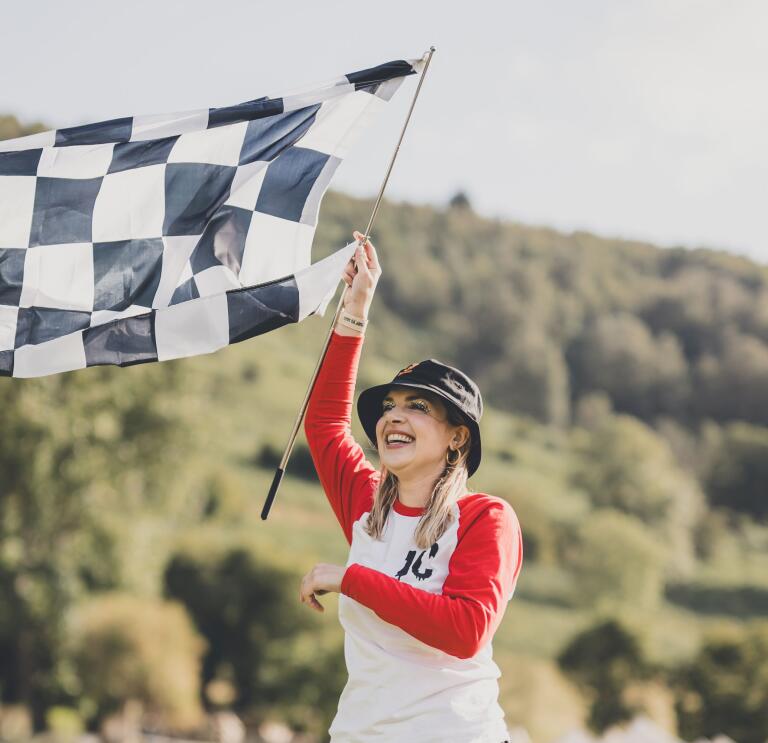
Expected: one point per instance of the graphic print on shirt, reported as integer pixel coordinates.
(416, 566)
(397, 554)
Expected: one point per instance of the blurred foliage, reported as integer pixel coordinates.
(460, 200)
(711, 534)
(247, 610)
(11, 127)
(605, 660)
(546, 318)
(642, 373)
(534, 690)
(300, 464)
(617, 561)
(626, 422)
(75, 449)
(738, 476)
(145, 650)
(541, 536)
(64, 722)
(736, 601)
(724, 689)
(623, 464)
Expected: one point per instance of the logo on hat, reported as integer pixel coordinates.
(407, 369)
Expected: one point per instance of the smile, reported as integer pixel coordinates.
(397, 440)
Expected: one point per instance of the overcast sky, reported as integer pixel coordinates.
(635, 119)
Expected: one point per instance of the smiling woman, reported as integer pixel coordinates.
(435, 436)
(431, 565)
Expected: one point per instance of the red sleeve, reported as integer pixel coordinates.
(482, 575)
(348, 478)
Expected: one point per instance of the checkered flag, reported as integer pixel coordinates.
(156, 237)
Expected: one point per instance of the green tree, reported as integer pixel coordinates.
(724, 689)
(738, 475)
(623, 464)
(697, 300)
(541, 535)
(124, 648)
(460, 200)
(259, 637)
(616, 562)
(604, 660)
(731, 381)
(531, 378)
(644, 375)
(79, 453)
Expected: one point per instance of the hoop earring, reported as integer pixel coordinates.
(449, 461)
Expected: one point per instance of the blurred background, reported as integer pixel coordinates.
(577, 220)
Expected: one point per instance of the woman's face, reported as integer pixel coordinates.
(425, 433)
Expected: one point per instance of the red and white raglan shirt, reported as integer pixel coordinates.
(418, 623)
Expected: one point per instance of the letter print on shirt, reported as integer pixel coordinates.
(416, 566)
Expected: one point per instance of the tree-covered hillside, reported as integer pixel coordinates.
(626, 422)
(543, 319)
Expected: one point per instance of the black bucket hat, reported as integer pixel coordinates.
(454, 387)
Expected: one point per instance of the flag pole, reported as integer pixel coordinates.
(280, 471)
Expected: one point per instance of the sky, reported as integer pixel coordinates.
(642, 120)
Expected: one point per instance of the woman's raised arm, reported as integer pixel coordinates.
(348, 478)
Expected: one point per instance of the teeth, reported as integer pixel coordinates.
(399, 437)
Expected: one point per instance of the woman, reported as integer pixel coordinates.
(431, 566)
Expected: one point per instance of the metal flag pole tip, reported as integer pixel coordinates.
(280, 471)
(427, 58)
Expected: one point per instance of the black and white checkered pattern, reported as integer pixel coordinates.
(155, 237)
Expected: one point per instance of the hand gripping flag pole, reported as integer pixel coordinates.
(297, 423)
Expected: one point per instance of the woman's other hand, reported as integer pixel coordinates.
(361, 274)
(321, 579)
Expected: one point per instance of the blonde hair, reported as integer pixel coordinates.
(447, 489)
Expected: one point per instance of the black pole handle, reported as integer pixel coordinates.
(272, 493)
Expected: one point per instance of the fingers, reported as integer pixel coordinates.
(307, 594)
(371, 257)
(361, 262)
(365, 256)
(349, 272)
(311, 601)
(365, 261)
(361, 242)
(358, 236)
